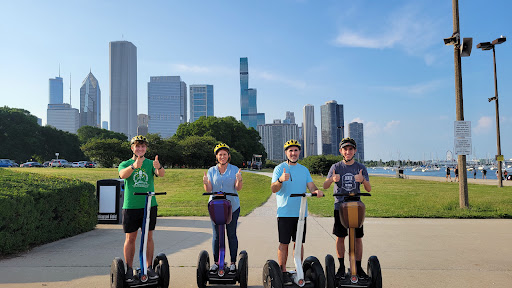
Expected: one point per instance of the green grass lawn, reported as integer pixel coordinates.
(391, 197)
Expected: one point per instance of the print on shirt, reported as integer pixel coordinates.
(140, 179)
(348, 182)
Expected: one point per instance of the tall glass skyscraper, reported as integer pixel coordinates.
(56, 91)
(309, 131)
(273, 137)
(167, 104)
(332, 125)
(90, 102)
(201, 101)
(123, 88)
(250, 116)
(355, 131)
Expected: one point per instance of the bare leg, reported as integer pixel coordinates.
(282, 256)
(340, 247)
(301, 252)
(359, 249)
(129, 248)
(150, 249)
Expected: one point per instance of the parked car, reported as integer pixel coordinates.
(60, 163)
(6, 163)
(74, 164)
(90, 164)
(31, 164)
(81, 164)
(46, 164)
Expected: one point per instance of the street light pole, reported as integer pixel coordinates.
(488, 46)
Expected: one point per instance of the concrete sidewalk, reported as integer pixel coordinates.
(412, 252)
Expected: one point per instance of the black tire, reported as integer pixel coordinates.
(161, 266)
(243, 269)
(117, 273)
(272, 275)
(314, 271)
(374, 272)
(330, 269)
(203, 265)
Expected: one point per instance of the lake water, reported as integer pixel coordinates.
(439, 173)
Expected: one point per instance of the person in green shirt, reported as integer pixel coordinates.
(138, 174)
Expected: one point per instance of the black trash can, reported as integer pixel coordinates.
(110, 194)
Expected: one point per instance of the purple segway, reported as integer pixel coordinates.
(220, 213)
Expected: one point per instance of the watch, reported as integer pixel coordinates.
(279, 181)
(133, 167)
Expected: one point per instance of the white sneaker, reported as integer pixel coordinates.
(232, 268)
(214, 267)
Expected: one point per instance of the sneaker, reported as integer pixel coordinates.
(287, 280)
(362, 275)
(341, 273)
(152, 274)
(214, 267)
(232, 268)
(128, 277)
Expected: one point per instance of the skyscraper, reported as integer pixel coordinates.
(123, 88)
(167, 104)
(63, 117)
(56, 91)
(142, 124)
(290, 118)
(104, 125)
(355, 131)
(90, 102)
(309, 131)
(201, 101)
(250, 116)
(273, 137)
(332, 125)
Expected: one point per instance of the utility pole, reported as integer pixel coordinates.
(463, 176)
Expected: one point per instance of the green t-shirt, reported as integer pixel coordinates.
(141, 180)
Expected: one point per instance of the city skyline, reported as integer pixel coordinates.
(386, 62)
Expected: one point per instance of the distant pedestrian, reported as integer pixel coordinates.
(448, 175)
(474, 173)
(505, 173)
(456, 174)
(484, 174)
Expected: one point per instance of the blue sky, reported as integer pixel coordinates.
(385, 61)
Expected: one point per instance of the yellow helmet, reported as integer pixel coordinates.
(291, 142)
(220, 146)
(139, 138)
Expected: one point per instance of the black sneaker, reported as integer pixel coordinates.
(362, 275)
(152, 274)
(287, 280)
(341, 273)
(128, 277)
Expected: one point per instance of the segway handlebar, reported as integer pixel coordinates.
(220, 193)
(352, 194)
(304, 195)
(152, 193)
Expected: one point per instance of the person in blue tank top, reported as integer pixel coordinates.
(288, 178)
(226, 178)
(348, 175)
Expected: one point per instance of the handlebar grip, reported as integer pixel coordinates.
(147, 193)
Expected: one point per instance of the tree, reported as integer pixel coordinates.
(198, 151)
(86, 133)
(107, 152)
(169, 151)
(228, 130)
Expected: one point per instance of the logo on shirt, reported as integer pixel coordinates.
(140, 179)
(348, 182)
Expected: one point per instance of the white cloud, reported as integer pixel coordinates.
(359, 120)
(391, 125)
(484, 125)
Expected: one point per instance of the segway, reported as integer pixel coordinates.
(352, 214)
(160, 264)
(220, 213)
(310, 274)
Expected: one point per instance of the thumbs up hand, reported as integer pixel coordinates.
(285, 176)
(359, 177)
(239, 175)
(335, 177)
(205, 179)
(156, 163)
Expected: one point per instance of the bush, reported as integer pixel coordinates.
(320, 164)
(36, 209)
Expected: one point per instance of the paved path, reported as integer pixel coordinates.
(413, 252)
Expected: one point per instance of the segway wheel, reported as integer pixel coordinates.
(374, 272)
(330, 275)
(243, 269)
(272, 275)
(203, 265)
(161, 266)
(314, 271)
(117, 273)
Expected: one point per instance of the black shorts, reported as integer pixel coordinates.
(132, 219)
(339, 230)
(287, 228)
